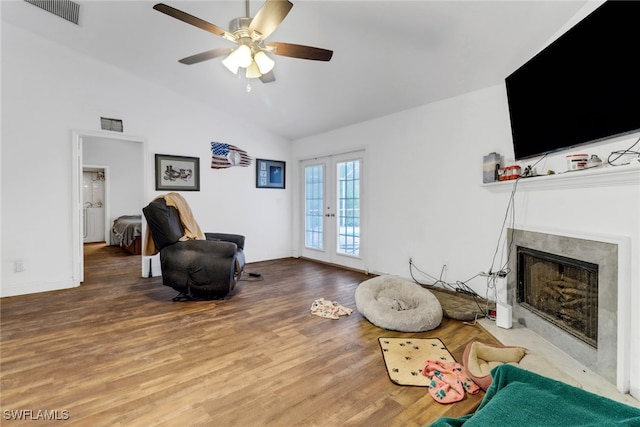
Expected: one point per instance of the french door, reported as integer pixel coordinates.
(333, 215)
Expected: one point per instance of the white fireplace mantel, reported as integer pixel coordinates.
(603, 177)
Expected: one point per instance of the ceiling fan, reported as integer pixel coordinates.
(249, 34)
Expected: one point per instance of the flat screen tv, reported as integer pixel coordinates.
(584, 87)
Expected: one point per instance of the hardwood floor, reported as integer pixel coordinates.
(117, 351)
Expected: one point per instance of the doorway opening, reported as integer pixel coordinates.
(113, 167)
(94, 202)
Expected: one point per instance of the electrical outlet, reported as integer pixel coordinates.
(19, 266)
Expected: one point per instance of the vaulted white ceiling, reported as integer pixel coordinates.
(389, 56)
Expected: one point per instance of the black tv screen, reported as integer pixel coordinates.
(584, 87)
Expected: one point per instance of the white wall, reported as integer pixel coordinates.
(425, 168)
(47, 92)
(425, 194)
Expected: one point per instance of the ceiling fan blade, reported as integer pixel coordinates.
(205, 56)
(299, 51)
(270, 15)
(193, 20)
(268, 77)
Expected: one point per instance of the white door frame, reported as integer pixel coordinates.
(77, 137)
(330, 254)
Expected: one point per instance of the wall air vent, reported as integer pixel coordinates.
(65, 9)
(111, 124)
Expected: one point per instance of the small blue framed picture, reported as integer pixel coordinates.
(270, 173)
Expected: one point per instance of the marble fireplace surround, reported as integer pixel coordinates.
(611, 253)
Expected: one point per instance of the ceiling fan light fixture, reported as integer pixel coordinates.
(249, 35)
(243, 55)
(231, 63)
(253, 72)
(265, 64)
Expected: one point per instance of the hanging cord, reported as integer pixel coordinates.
(459, 286)
(610, 161)
(503, 270)
(509, 217)
(621, 153)
(435, 279)
(475, 320)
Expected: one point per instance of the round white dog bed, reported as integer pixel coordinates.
(396, 304)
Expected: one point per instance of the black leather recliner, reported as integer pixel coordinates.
(198, 269)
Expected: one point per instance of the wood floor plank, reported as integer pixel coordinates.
(118, 351)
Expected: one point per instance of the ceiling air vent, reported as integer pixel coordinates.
(111, 124)
(65, 9)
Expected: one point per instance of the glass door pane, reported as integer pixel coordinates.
(314, 207)
(348, 174)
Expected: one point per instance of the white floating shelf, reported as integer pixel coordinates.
(606, 176)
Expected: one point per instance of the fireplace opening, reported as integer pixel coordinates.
(561, 290)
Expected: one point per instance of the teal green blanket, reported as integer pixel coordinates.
(517, 397)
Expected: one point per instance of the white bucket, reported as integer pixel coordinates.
(577, 161)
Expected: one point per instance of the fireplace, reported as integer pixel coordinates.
(573, 301)
(562, 290)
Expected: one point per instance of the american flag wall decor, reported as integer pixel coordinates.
(225, 156)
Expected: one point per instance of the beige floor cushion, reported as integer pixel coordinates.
(392, 303)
